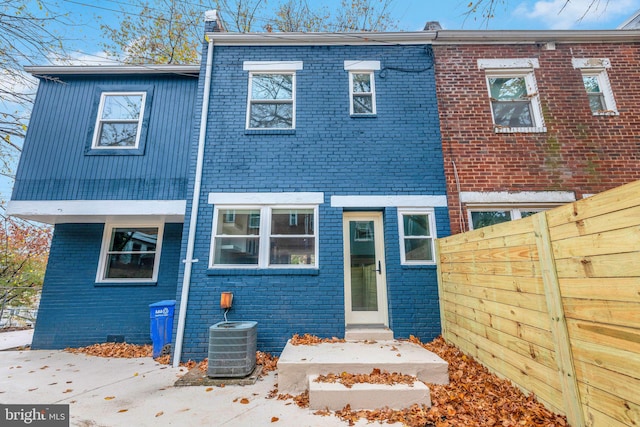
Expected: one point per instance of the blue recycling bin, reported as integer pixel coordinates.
(161, 313)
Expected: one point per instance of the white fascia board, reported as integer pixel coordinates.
(192, 70)
(320, 39)
(388, 201)
(499, 63)
(272, 65)
(96, 211)
(361, 65)
(522, 197)
(591, 62)
(535, 36)
(301, 198)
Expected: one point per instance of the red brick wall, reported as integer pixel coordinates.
(579, 152)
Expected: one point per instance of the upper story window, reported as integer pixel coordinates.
(597, 85)
(513, 93)
(362, 87)
(271, 101)
(119, 122)
(130, 253)
(417, 236)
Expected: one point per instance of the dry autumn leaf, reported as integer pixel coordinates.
(109, 398)
(122, 410)
(68, 390)
(209, 389)
(244, 401)
(275, 419)
(159, 414)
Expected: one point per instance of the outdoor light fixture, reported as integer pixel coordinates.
(226, 298)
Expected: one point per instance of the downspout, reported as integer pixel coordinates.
(188, 262)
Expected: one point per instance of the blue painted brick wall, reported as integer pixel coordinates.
(398, 152)
(74, 311)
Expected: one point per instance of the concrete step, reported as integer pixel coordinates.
(298, 362)
(335, 396)
(358, 333)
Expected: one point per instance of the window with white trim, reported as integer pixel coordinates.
(484, 217)
(596, 83)
(417, 235)
(362, 87)
(119, 121)
(513, 94)
(271, 100)
(265, 237)
(130, 253)
(363, 93)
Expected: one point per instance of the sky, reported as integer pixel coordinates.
(82, 34)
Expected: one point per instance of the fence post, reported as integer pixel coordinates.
(562, 345)
(443, 323)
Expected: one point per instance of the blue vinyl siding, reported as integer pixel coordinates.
(54, 165)
(75, 312)
(397, 152)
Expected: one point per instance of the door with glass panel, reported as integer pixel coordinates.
(364, 269)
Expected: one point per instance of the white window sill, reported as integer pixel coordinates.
(500, 129)
(607, 113)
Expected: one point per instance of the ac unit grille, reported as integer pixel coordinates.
(232, 349)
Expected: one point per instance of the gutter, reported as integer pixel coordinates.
(195, 206)
(57, 70)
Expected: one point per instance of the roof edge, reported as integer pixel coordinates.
(113, 69)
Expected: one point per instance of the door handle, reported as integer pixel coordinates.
(379, 270)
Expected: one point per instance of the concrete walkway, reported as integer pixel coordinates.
(140, 392)
(15, 339)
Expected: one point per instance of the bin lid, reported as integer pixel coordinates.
(164, 303)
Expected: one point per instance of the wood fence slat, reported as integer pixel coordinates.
(612, 265)
(512, 253)
(605, 409)
(610, 381)
(518, 299)
(620, 361)
(610, 221)
(520, 268)
(608, 242)
(613, 200)
(455, 243)
(619, 337)
(612, 289)
(604, 312)
(530, 285)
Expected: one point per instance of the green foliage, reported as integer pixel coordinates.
(24, 250)
(170, 31)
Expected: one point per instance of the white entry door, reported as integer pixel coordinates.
(365, 286)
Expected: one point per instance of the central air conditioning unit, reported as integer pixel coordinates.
(232, 349)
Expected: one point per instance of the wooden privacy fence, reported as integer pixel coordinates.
(552, 302)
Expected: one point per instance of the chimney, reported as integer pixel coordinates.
(213, 22)
(432, 26)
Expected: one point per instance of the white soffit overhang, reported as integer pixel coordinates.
(406, 201)
(97, 211)
(519, 197)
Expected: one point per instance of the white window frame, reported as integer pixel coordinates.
(515, 212)
(105, 250)
(516, 67)
(97, 131)
(362, 67)
(272, 67)
(353, 94)
(264, 238)
(430, 213)
(597, 67)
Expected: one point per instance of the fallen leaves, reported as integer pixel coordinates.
(109, 398)
(111, 349)
(159, 414)
(308, 339)
(375, 377)
(244, 401)
(275, 419)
